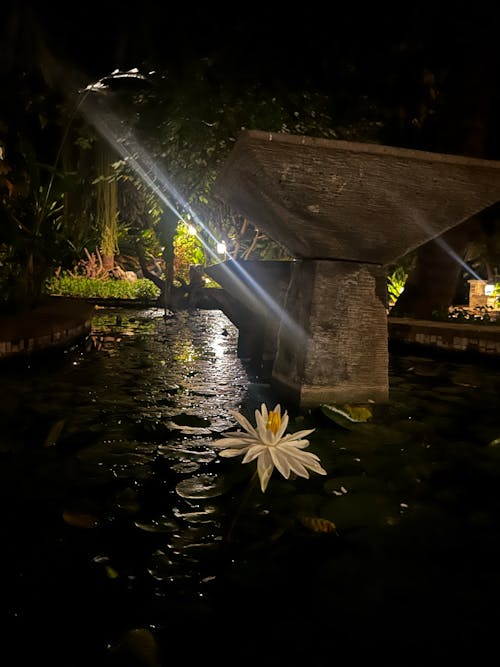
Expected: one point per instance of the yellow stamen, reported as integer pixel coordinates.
(273, 422)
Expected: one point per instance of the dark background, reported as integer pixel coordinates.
(318, 43)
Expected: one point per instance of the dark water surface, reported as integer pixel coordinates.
(126, 539)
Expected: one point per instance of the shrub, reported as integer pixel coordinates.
(88, 288)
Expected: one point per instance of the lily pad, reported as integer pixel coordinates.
(158, 524)
(201, 487)
(184, 419)
(186, 454)
(185, 468)
(208, 514)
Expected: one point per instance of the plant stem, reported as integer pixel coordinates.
(244, 499)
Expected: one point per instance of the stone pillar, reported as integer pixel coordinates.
(257, 292)
(477, 296)
(333, 345)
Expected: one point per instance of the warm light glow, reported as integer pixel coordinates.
(138, 159)
(489, 289)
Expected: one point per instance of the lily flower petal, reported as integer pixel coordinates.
(253, 453)
(281, 461)
(229, 453)
(298, 435)
(308, 461)
(244, 422)
(268, 443)
(265, 468)
(233, 442)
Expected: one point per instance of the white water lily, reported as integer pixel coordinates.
(268, 444)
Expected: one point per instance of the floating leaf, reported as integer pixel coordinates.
(346, 415)
(160, 524)
(201, 487)
(194, 421)
(208, 514)
(359, 413)
(494, 443)
(80, 520)
(317, 524)
(186, 454)
(111, 572)
(54, 433)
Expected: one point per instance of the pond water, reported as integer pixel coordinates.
(127, 540)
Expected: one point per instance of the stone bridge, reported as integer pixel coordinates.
(343, 211)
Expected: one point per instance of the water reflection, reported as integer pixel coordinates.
(117, 510)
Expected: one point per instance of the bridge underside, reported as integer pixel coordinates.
(344, 210)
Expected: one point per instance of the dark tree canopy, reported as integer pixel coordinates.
(425, 75)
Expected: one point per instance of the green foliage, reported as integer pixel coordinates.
(37, 230)
(396, 283)
(30, 218)
(496, 293)
(186, 126)
(189, 127)
(86, 288)
(10, 276)
(107, 204)
(187, 251)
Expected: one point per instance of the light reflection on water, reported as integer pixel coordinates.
(412, 567)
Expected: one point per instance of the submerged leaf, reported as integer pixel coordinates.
(54, 433)
(80, 520)
(137, 647)
(317, 524)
